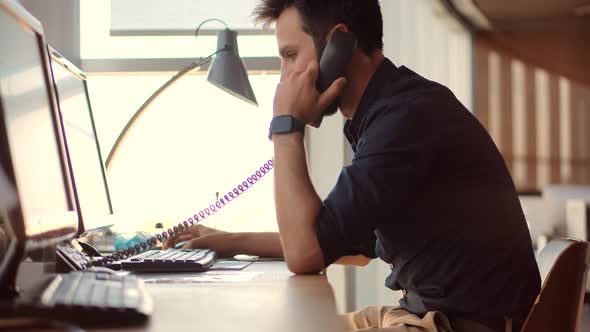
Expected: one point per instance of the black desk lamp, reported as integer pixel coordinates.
(227, 72)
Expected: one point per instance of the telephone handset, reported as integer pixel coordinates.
(335, 57)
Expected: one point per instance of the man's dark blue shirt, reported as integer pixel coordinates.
(429, 193)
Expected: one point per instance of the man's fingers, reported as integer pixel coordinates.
(330, 95)
(169, 242)
(185, 237)
(174, 240)
(311, 72)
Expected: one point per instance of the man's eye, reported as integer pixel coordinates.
(291, 55)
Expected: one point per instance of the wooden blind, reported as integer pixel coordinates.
(540, 120)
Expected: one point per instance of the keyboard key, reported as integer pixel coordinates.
(130, 278)
(67, 289)
(115, 296)
(97, 295)
(131, 298)
(147, 254)
(82, 296)
(103, 276)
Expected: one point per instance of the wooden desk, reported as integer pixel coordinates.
(275, 301)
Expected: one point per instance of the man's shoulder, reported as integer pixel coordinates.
(415, 106)
(409, 91)
(419, 114)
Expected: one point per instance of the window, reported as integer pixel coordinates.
(96, 41)
(194, 141)
(538, 117)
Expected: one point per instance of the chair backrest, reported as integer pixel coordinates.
(563, 265)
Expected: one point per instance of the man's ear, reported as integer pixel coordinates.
(339, 26)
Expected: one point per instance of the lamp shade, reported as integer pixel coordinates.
(227, 71)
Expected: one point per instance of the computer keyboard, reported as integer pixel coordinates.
(89, 297)
(171, 260)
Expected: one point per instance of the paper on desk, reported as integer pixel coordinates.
(210, 276)
(227, 265)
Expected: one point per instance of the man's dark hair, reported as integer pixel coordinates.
(363, 17)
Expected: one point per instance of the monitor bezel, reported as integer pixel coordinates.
(61, 60)
(15, 216)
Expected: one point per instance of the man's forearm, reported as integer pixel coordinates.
(269, 245)
(297, 205)
(259, 244)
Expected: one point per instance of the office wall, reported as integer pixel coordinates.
(61, 22)
(533, 96)
(423, 36)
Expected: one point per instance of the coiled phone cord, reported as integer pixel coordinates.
(195, 219)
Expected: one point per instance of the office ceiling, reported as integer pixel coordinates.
(530, 9)
(531, 15)
(551, 34)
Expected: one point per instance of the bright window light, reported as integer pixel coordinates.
(193, 141)
(97, 43)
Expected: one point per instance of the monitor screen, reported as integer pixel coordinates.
(32, 145)
(80, 134)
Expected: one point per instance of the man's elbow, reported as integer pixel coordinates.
(305, 265)
(302, 269)
(363, 260)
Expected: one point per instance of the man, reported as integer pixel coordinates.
(427, 190)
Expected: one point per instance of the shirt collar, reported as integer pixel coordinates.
(382, 76)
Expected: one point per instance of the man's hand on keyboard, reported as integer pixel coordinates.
(196, 232)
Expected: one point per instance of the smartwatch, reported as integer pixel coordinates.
(284, 124)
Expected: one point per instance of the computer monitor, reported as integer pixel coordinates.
(93, 199)
(32, 157)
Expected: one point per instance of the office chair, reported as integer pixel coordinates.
(563, 264)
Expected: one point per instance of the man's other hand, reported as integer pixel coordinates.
(192, 233)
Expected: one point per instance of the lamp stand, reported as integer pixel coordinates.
(148, 102)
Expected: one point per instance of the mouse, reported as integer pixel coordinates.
(180, 244)
(246, 258)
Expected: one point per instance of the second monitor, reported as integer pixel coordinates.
(91, 189)
(93, 199)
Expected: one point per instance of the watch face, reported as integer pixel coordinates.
(282, 124)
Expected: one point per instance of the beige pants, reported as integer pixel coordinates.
(394, 319)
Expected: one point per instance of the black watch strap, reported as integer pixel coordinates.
(284, 124)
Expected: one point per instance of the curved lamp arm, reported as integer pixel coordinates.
(147, 103)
